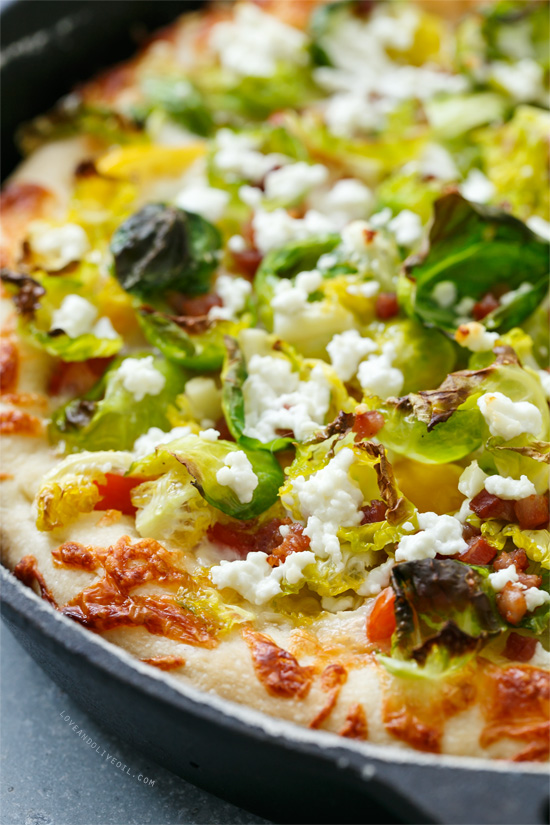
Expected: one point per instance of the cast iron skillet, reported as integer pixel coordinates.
(268, 766)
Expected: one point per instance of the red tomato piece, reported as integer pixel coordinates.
(478, 552)
(367, 424)
(386, 305)
(115, 493)
(520, 648)
(195, 307)
(532, 512)
(381, 619)
(247, 262)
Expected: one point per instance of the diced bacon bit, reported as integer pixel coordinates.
(381, 619)
(165, 662)
(223, 429)
(232, 535)
(196, 307)
(386, 305)
(116, 493)
(485, 505)
(484, 306)
(532, 512)
(28, 573)
(374, 511)
(367, 424)
(516, 557)
(520, 648)
(73, 554)
(479, 552)
(9, 365)
(511, 604)
(355, 726)
(18, 422)
(469, 531)
(76, 377)
(277, 669)
(294, 542)
(515, 704)
(246, 263)
(332, 679)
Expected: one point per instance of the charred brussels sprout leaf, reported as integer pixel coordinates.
(441, 601)
(163, 247)
(194, 343)
(192, 457)
(477, 248)
(109, 417)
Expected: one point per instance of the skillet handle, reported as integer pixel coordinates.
(450, 795)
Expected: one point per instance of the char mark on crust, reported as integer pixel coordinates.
(28, 573)
(355, 726)
(332, 679)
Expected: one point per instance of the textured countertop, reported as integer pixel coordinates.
(51, 776)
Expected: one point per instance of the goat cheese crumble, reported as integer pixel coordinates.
(475, 337)
(255, 579)
(509, 418)
(140, 377)
(238, 475)
(58, 245)
(510, 488)
(154, 437)
(439, 535)
(377, 376)
(346, 350)
(204, 200)
(234, 293)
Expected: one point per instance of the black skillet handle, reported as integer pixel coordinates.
(499, 794)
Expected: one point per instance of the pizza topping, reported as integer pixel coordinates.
(238, 475)
(19, 422)
(277, 670)
(515, 704)
(54, 247)
(73, 554)
(381, 619)
(355, 726)
(27, 572)
(9, 365)
(507, 418)
(332, 679)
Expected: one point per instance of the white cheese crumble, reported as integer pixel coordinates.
(540, 226)
(544, 378)
(204, 399)
(236, 243)
(291, 298)
(378, 377)
(477, 187)
(77, 316)
(238, 158)
(336, 604)
(440, 534)
(436, 162)
(210, 434)
(377, 579)
(366, 289)
(346, 201)
(329, 499)
(444, 294)
(475, 337)
(234, 293)
(255, 579)
(58, 245)
(534, 597)
(540, 658)
(509, 418)
(252, 43)
(154, 437)
(501, 578)
(276, 400)
(140, 377)
(472, 480)
(238, 475)
(510, 296)
(277, 228)
(407, 227)
(347, 350)
(206, 201)
(294, 181)
(510, 489)
(521, 79)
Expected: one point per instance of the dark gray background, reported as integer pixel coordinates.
(50, 776)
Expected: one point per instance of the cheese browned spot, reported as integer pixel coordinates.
(332, 679)
(28, 573)
(277, 669)
(165, 662)
(516, 703)
(18, 422)
(108, 603)
(20, 203)
(355, 726)
(9, 365)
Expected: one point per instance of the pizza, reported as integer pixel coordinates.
(274, 365)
